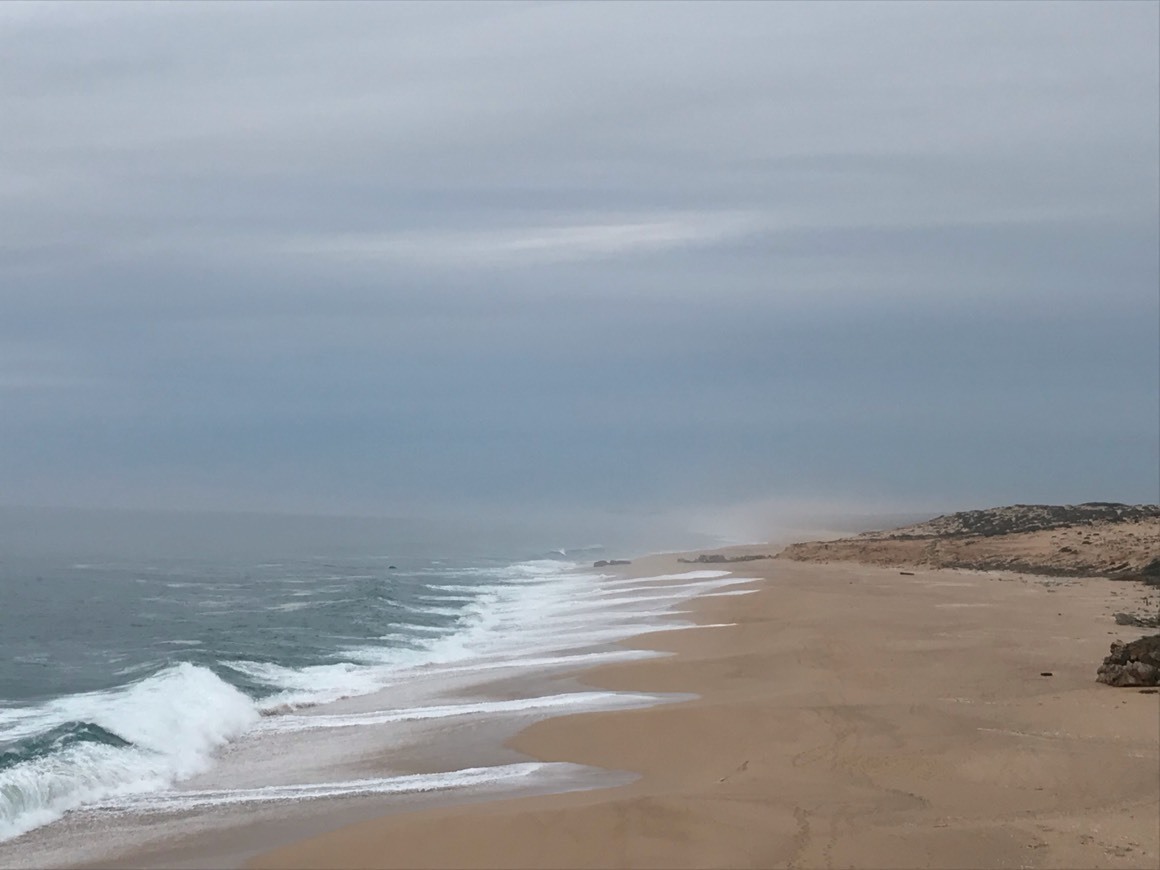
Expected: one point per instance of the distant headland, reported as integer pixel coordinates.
(1095, 539)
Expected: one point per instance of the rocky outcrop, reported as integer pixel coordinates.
(1132, 664)
(1136, 620)
(1121, 542)
(1019, 518)
(604, 563)
(1149, 575)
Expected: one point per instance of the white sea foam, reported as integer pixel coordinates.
(572, 661)
(290, 606)
(172, 722)
(573, 701)
(317, 684)
(452, 587)
(540, 616)
(684, 575)
(179, 801)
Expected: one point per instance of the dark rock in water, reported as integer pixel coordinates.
(1132, 664)
(603, 563)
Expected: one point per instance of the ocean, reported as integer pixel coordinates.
(170, 666)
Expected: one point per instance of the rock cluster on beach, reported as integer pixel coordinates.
(1132, 664)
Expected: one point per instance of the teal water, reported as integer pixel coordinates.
(132, 646)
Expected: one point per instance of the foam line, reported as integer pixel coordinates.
(178, 800)
(581, 700)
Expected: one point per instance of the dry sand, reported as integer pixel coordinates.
(854, 717)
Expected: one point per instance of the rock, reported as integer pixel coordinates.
(604, 563)
(1136, 620)
(1132, 664)
(1150, 576)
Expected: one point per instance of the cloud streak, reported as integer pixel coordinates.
(554, 241)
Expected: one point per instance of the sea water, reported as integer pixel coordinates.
(154, 666)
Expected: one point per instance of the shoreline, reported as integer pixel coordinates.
(456, 757)
(833, 727)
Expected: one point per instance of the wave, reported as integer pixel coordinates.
(139, 738)
(161, 729)
(488, 616)
(288, 687)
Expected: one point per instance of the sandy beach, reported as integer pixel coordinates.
(854, 716)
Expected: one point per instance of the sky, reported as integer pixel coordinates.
(394, 259)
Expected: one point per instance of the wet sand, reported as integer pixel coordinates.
(853, 717)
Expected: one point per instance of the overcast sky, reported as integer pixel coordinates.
(385, 258)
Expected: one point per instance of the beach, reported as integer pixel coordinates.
(578, 435)
(738, 707)
(852, 716)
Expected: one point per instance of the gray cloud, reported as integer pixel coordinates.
(367, 256)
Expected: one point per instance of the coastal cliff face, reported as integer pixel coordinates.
(1093, 539)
